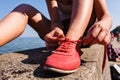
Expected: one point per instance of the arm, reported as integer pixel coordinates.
(56, 35)
(54, 14)
(100, 31)
(102, 12)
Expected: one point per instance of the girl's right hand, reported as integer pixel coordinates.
(53, 38)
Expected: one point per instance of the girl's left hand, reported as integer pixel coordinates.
(98, 33)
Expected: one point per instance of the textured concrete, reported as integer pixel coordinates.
(28, 65)
(115, 44)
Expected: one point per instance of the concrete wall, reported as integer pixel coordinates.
(28, 65)
(95, 54)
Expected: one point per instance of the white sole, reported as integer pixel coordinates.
(59, 70)
(117, 68)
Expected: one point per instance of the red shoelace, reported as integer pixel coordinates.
(67, 45)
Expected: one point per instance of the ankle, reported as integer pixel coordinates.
(78, 41)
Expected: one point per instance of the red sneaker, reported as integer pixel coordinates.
(65, 59)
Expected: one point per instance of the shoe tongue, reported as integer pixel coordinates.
(67, 39)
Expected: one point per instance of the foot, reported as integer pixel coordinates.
(65, 59)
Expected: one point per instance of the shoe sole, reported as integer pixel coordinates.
(59, 70)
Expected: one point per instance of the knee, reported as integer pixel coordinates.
(26, 9)
(23, 8)
(1, 44)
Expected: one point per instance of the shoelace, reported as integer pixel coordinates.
(66, 45)
(68, 42)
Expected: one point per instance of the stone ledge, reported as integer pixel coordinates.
(112, 63)
(28, 65)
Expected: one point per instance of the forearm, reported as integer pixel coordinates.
(102, 12)
(53, 12)
(106, 19)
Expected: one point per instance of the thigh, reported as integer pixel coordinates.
(35, 19)
(40, 24)
(14, 24)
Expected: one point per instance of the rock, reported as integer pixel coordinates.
(28, 65)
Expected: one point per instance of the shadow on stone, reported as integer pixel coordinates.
(35, 56)
(39, 56)
(40, 72)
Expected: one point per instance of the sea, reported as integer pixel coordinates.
(22, 43)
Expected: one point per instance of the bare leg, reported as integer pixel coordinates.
(80, 18)
(15, 23)
(91, 22)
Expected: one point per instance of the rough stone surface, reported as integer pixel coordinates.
(115, 44)
(28, 65)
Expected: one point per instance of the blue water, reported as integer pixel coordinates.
(22, 43)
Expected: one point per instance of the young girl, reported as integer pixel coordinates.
(69, 20)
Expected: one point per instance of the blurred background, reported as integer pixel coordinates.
(29, 34)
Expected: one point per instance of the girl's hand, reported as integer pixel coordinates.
(98, 33)
(53, 38)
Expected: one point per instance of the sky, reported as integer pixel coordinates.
(7, 5)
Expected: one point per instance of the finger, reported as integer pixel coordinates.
(92, 34)
(102, 35)
(94, 41)
(50, 38)
(58, 36)
(100, 39)
(61, 37)
(94, 30)
(87, 40)
(107, 39)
